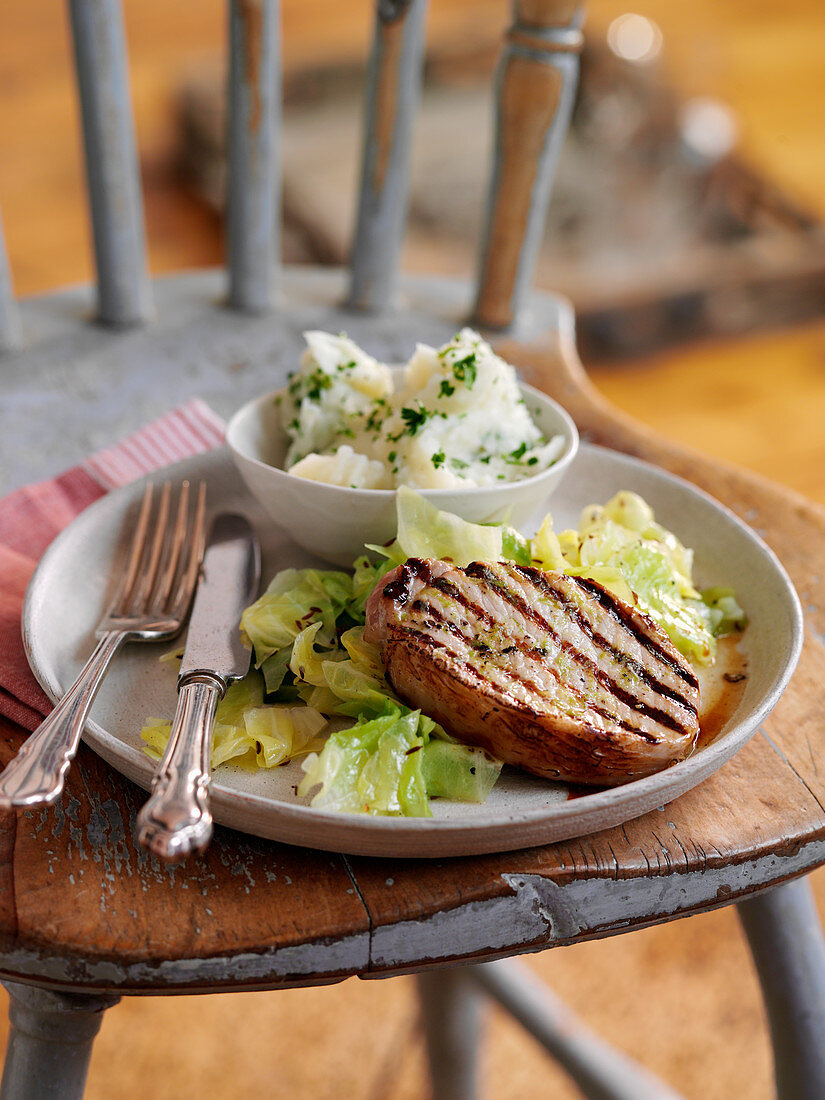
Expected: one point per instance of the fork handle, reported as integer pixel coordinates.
(37, 773)
(176, 820)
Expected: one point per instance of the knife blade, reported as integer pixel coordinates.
(176, 820)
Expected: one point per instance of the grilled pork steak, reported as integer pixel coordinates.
(547, 672)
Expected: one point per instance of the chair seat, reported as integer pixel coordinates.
(85, 908)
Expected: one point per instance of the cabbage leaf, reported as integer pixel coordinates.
(247, 730)
(393, 764)
(622, 547)
(424, 531)
(294, 599)
(369, 768)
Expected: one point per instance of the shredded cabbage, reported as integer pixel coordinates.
(282, 733)
(724, 615)
(306, 662)
(424, 531)
(622, 547)
(248, 731)
(294, 599)
(393, 764)
(365, 577)
(460, 772)
(370, 768)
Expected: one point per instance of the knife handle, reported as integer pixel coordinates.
(176, 820)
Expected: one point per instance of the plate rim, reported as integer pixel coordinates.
(378, 835)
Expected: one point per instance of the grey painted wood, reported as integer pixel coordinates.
(542, 913)
(786, 941)
(124, 295)
(501, 276)
(601, 1072)
(393, 91)
(196, 347)
(253, 193)
(10, 333)
(50, 1042)
(450, 1018)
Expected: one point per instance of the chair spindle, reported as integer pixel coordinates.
(124, 293)
(393, 91)
(253, 221)
(10, 333)
(535, 85)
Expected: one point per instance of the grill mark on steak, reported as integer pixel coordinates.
(610, 604)
(429, 642)
(485, 573)
(400, 590)
(543, 582)
(435, 618)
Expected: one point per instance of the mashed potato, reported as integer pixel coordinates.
(457, 418)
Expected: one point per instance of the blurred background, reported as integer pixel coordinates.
(687, 228)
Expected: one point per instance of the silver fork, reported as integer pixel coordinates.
(150, 605)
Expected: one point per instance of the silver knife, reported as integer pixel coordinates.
(176, 820)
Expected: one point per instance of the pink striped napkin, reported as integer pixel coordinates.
(31, 517)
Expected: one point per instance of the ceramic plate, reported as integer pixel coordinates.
(70, 588)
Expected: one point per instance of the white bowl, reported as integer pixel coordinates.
(334, 521)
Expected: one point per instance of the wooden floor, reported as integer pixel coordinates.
(681, 997)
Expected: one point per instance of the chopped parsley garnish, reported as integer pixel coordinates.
(447, 389)
(514, 457)
(414, 418)
(316, 383)
(374, 420)
(465, 370)
(445, 351)
(438, 459)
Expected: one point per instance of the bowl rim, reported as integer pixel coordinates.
(571, 433)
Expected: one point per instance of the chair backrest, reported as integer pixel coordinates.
(535, 88)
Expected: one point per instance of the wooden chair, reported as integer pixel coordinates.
(85, 915)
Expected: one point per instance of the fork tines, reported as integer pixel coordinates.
(165, 553)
